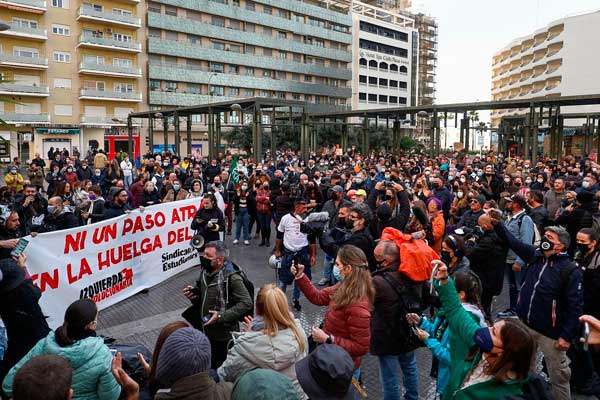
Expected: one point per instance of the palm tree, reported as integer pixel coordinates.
(473, 117)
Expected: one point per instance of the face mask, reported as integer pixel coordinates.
(387, 177)
(585, 184)
(176, 187)
(436, 185)
(84, 166)
(528, 182)
(206, 264)
(583, 248)
(266, 187)
(479, 173)
(336, 274)
(358, 181)
(51, 209)
(244, 187)
(517, 184)
(506, 180)
(98, 173)
(446, 257)
(69, 169)
(349, 224)
(305, 181)
(14, 171)
(388, 197)
(463, 179)
(54, 174)
(513, 164)
(450, 178)
(540, 180)
(460, 195)
(546, 245)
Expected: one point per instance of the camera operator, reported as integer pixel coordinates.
(209, 221)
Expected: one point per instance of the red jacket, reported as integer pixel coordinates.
(350, 326)
(263, 202)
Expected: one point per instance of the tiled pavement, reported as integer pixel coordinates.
(140, 318)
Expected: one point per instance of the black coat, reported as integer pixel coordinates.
(149, 199)
(580, 217)
(201, 219)
(66, 220)
(361, 239)
(487, 256)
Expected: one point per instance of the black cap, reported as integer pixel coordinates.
(326, 373)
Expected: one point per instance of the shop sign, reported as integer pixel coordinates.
(58, 131)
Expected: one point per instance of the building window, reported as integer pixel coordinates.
(281, 74)
(62, 30)
(154, 7)
(362, 78)
(249, 71)
(297, 57)
(403, 85)
(62, 83)
(383, 99)
(234, 91)
(61, 56)
(372, 98)
(218, 21)
(373, 81)
(235, 48)
(393, 99)
(234, 25)
(282, 35)
(383, 66)
(402, 100)
(194, 39)
(393, 84)
(267, 31)
(170, 86)
(284, 14)
(383, 82)
(94, 85)
(63, 109)
(193, 88)
(121, 87)
(282, 55)
(295, 77)
(170, 10)
(266, 73)
(267, 52)
(373, 64)
(363, 62)
(250, 27)
(264, 93)
(393, 68)
(403, 70)
(218, 46)
(250, 5)
(172, 36)
(382, 48)
(249, 92)
(308, 78)
(217, 90)
(267, 10)
(154, 85)
(215, 67)
(93, 59)
(60, 3)
(154, 33)
(250, 49)
(233, 69)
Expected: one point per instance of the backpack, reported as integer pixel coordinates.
(249, 287)
(409, 301)
(415, 255)
(537, 236)
(535, 388)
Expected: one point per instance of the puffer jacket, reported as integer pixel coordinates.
(441, 340)
(350, 325)
(263, 202)
(258, 350)
(91, 363)
(469, 219)
(544, 304)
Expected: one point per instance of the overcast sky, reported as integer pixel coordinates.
(471, 31)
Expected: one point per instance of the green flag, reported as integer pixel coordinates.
(233, 173)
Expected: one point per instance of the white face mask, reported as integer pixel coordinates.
(460, 195)
(506, 180)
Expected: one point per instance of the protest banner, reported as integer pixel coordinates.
(111, 260)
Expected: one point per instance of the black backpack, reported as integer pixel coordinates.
(249, 287)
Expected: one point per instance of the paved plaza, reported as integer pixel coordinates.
(140, 318)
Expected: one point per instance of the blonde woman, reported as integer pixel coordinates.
(348, 318)
(273, 340)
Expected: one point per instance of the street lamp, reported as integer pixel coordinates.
(422, 114)
(4, 27)
(237, 108)
(210, 91)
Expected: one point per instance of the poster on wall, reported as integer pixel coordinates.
(159, 148)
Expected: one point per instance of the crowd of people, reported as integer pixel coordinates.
(532, 223)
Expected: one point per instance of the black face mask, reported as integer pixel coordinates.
(206, 264)
(546, 245)
(446, 257)
(583, 248)
(436, 185)
(333, 195)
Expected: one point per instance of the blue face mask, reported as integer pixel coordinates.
(483, 339)
(336, 274)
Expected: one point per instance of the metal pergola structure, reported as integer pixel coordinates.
(293, 113)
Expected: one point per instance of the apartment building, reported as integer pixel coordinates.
(557, 60)
(385, 58)
(213, 50)
(75, 72)
(428, 41)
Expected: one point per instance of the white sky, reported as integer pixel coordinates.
(471, 31)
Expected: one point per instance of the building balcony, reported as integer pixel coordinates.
(107, 95)
(24, 32)
(194, 27)
(91, 68)
(274, 21)
(16, 118)
(88, 13)
(16, 89)
(106, 120)
(9, 60)
(188, 50)
(35, 6)
(187, 73)
(184, 99)
(108, 43)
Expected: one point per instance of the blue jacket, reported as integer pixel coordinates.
(542, 305)
(440, 348)
(91, 363)
(522, 228)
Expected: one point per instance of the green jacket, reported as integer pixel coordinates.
(237, 298)
(463, 328)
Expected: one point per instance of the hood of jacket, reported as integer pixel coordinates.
(273, 352)
(199, 386)
(79, 353)
(475, 310)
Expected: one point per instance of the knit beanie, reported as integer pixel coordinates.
(185, 353)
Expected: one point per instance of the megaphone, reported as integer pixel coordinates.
(197, 242)
(274, 262)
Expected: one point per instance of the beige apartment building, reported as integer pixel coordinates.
(74, 71)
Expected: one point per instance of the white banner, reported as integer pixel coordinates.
(111, 260)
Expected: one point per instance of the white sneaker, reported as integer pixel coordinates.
(236, 241)
(246, 242)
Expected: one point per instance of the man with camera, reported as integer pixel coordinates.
(220, 299)
(209, 221)
(32, 209)
(298, 248)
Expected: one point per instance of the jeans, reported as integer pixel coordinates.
(285, 277)
(515, 280)
(388, 369)
(127, 180)
(229, 216)
(241, 223)
(328, 268)
(557, 363)
(264, 220)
